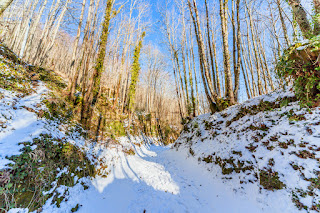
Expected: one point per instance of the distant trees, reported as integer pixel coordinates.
(219, 53)
(250, 35)
(73, 66)
(203, 28)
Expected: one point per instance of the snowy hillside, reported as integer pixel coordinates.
(43, 151)
(267, 149)
(260, 156)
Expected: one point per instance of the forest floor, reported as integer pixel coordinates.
(259, 156)
(152, 178)
(157, 179)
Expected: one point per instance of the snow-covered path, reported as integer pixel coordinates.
(155, 179)
(159, 179)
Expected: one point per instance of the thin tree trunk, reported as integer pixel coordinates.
(211, 96)
(210, 48)
(283, 24)
(4, 5)
(238, 42)
(255, 51)
(74, 72)
(226, 53)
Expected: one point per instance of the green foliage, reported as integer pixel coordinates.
(116, 129)
(102, 51)
(135, 70)
(223, 103)
(14, 78)
(33, 172)
(300, 64)
(52, 80)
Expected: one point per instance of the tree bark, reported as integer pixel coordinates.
(238, 63)
(283, 24)
(4, 5)
(73, 71)
(316, 4)
(204, 70)
(226, 52)
(99, 68)
(301, 17)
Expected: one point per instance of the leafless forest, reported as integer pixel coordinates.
(122, 61)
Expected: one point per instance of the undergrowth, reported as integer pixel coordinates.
(32, 172)
(300, 63)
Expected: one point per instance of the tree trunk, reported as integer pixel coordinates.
(226, 52)
(73, 71)
(4, 4)
(283, 24)
(317, 17)
(238, 64)
(301, 17)
(204, 70)
(96, 77)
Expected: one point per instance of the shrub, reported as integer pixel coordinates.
(301, 64)
(23, 184)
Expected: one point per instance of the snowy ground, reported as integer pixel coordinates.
(154, 179)
(17, 123)
(158, 179)
(135, 175)
(242, 146)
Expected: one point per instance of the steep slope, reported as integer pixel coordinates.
(267, 148)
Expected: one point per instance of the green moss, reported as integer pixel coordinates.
(135, 70)
(14, 78)
(116, 129)
(76, 208)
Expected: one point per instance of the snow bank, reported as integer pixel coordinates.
(265, 148)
